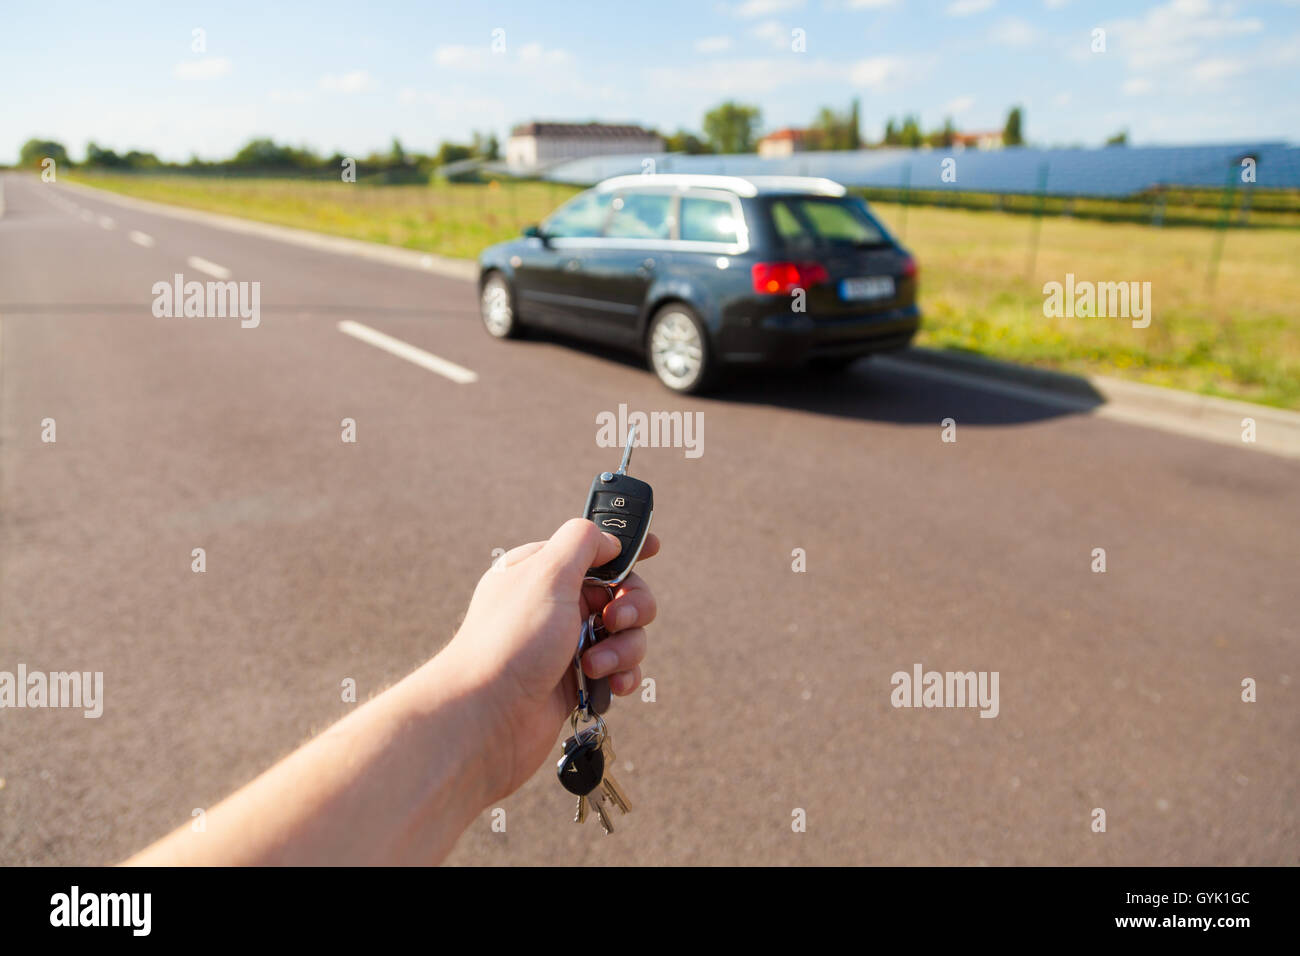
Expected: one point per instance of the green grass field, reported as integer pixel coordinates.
(981, 290)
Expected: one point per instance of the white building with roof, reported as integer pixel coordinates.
(535, 145)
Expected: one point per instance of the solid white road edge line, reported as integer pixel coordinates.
(426, 360)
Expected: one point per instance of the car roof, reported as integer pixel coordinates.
(740, 185)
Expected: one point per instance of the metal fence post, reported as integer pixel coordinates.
(1037, 227)
(906, 189)
(1225, 213)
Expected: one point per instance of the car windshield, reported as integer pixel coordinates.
(582, 216)
(813, 222)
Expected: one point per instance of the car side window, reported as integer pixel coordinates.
(640, 216)
(788, 226)
(840, 222)
(708, 220)
(582, 216)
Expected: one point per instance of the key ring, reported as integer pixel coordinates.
(600, 724)
(608, 590)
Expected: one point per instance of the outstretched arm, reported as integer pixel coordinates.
(401, 778)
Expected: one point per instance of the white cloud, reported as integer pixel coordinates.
(961, 104)
(1213, 71)
(713, 44)
(529, 59)
(457, 107)
(966, 8)
(876, 72)
(204, 68)
(1012, 31)
(1175, 33)
(1061, 100)
(742, 79)
(354, 81)
(536, 54)
(750, 9)
(289, 96)
(461, 57)
(773, 33)
(1137, 86)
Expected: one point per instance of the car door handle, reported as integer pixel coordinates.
(573, 265)
(647, 267)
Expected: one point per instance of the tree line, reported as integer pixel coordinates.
(264, 153)
(733, 127)
(730, 127)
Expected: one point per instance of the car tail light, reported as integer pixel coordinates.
(909, 267)
(776, 278)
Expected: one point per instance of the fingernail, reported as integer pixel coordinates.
(624, 617)
(603, 661)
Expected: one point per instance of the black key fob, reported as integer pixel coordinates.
(623, 506)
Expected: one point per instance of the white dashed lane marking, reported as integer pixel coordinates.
(211, 268)
(141, 239)
(426, 360)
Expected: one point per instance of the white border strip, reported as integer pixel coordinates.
(390, 255)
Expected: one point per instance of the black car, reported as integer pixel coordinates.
(701, 271)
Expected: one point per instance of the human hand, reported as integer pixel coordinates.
(520, 633)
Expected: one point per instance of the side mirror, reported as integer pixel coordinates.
(534, 232)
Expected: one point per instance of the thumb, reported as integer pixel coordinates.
(576, 546)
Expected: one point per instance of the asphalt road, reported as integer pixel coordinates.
(328, 560)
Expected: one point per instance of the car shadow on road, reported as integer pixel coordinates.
(890, 390)
(883, 389)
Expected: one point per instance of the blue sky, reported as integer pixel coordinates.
(349, 76)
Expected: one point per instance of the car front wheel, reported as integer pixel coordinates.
(497, 307)
(679, 349)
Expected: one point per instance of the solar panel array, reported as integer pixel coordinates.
(1111, 172)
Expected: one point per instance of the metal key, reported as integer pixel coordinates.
(583, 807)
(597, 801)
(608, 784)
(615, 793)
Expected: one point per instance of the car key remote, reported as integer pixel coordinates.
(623, 506)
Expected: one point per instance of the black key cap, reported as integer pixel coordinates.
(582, 767)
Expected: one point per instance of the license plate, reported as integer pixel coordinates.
(871, 287)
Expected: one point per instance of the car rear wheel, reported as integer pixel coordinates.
(679, 349)
(497, 307)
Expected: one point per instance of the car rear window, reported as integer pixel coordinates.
(708, 220)
(818, 222)
(640, 216)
